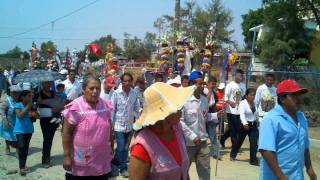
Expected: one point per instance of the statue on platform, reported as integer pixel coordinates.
(163, 63)
(34, 55)
(207, 52)
(180, 54)
(110, 61)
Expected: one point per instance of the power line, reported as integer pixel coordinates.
(48, 38)
(53, 21)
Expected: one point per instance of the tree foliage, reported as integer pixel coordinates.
(15, 53)
(196, 22)
(286, 43)
(252, 19)
(139, 48)
(104, 41)
(44, 49)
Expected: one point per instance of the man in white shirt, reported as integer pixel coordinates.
(234, 92)
(72, 86)
(266, 96)
(195, 115)
(108, 86)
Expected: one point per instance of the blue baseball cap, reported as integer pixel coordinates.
(195, 75)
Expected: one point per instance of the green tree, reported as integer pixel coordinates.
(305, 8)
(196, 22)
(286, 42)
(44, 49)
(251, 19)
(13, 53)
(137, 48)
(104, 41)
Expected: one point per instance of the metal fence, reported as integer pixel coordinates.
(307, 77)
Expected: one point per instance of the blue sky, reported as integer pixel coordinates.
(104, 17)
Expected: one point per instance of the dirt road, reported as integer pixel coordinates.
(236, 170)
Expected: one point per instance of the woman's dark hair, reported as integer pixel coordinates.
(212, 79)
(23, 94)
(185, 77)
(126, 74)
(87, 79)
(281, 97)
(248, 91)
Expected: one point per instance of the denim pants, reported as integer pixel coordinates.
(123, 142)
(48, 131)
(23, 141)
(211, 130)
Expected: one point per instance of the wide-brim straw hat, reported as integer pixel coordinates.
(161, 100)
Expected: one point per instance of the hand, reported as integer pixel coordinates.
(232, 104)
(311, 174)
(67, 163)
(205, 114)
(220, 113)
(246, 127)
(197, 141)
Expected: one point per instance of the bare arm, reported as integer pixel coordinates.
(67, 144)
(138, 169)
(273, 164)
(307, 162)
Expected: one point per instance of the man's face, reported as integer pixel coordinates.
(127, 82)
(239, 77)
(269, 81)
(199, 83)
(185, 83)
(142, 85)
(107, 88)
(292, 102)
(212, 85)
(72, 76)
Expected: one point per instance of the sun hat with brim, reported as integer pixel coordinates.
(221, 86)
(290, 86)
(161, 100)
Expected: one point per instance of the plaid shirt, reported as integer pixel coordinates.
(125, 107)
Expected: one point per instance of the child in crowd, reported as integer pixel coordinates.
(24, 127)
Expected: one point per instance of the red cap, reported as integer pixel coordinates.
(109, 81)
(290, 86)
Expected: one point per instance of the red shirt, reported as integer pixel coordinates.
(139, 151)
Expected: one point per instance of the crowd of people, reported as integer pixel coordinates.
(164, 127)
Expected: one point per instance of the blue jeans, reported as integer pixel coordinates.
(211, 130)
(123, 142)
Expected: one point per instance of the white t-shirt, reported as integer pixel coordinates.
(72, 90)
(234, 92)
(263, 95)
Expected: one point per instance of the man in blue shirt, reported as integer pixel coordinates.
(283, 139)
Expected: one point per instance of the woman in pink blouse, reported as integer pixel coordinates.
(87, 140)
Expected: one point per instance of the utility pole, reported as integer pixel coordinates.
(176, 26)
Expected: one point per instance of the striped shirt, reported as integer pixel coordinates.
(124, 108)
